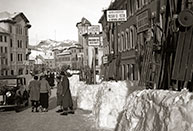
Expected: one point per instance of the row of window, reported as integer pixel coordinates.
(19, 43)
(127, 39)
(5, 72)
(19, 30)
(64, 59)
(128, 72)
(133, 6)
(4, 61)
(3, 49)
(3, 38)
(19, 57)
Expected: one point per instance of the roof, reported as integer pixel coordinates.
(8, 17)
(84, 21)
(65, 52)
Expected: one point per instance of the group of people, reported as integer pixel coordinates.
(40, 91)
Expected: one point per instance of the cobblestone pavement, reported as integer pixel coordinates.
(47, 121)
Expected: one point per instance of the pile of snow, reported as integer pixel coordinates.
(87, 96)
(75, 85)
(158, 110)
(122, 106)
(110, 101)
(105, 100)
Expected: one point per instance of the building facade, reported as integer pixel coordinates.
(16, 25)
(90, 38)
(70, 56)
(126, 40)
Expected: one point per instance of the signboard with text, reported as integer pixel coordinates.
(94, 29)
(93, 41)
(116, 15)
(105, 59)
(143, 21)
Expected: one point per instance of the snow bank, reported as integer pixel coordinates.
(121, 106)
(158, 110)
(105, 100)
(110, 102)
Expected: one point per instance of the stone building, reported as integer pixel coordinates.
(14, 51)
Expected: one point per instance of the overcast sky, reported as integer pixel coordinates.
(55, 19)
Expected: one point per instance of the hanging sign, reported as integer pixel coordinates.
(93, 41)
(116, 15)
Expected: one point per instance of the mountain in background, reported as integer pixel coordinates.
(49, 44)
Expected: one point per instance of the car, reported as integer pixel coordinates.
(13, 92)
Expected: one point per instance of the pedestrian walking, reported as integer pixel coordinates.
(59, 94)
(45, 92)
(67, 103)
(34, 91)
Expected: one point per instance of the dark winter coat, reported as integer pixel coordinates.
(66, 94)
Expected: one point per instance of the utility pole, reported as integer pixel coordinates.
(94, 66)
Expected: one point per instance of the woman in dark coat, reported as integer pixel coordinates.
(67, 102)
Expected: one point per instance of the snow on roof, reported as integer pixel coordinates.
(6, 16)
(64, 52)
(45, 55)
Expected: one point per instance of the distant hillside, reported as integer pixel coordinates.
(49, 44)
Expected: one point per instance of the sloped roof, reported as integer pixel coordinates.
(6, 16)
(84, 21)
(65, 52)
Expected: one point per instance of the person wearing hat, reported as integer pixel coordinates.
(67, 102)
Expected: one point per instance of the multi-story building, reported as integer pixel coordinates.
(82, 40)
(126, 40)
(70, 55)
(15, 54)
(4, 54)
(92, 53)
